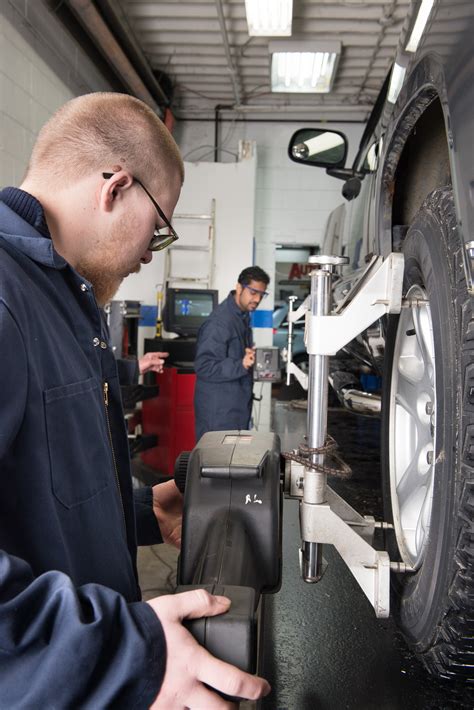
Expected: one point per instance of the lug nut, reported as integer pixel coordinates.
(430, 457)
(429, 408)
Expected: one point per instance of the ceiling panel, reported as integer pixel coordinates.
(205, 50)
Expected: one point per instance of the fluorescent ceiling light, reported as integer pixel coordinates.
(269, 18)
(420, 24)
(304, 67)
(396, 82)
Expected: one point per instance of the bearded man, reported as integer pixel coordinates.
(96, 202)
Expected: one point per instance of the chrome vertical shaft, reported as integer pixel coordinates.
(315, 481)
(291, 302)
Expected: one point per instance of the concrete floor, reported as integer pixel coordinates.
(323, 647)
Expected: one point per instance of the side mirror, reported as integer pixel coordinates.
(313, 146)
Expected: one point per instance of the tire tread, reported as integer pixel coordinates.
(452, 653)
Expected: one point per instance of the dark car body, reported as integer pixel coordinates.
(411, 190)
(414, 145)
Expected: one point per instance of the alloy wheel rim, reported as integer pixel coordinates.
(412, 436)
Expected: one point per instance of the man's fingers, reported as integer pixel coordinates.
(162, 355)
(204, 699)
(198, 603)
(229, 679)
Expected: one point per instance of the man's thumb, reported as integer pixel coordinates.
(198, 603)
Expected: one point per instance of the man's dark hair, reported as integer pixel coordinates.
(253, 273)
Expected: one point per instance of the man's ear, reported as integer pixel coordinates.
(113, 188)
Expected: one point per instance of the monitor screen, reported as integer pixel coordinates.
(187, 309)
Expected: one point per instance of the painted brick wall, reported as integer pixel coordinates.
(29, 92)
(293, 201)
(41, 67)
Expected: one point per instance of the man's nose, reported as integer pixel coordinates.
(147, 257)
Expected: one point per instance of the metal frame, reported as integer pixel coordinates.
(325, 518)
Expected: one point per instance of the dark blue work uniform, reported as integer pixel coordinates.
(223, 395)
(73, 631)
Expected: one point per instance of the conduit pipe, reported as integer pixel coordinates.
(87, 13)
(225, 38)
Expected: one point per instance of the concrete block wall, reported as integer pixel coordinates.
(41, 67)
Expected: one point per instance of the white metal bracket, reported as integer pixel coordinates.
(301, 376)
(325, 518)
(371, 568)
(336, 523)
(378, 292)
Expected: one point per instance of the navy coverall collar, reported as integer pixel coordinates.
(235, 308)
(28, 231)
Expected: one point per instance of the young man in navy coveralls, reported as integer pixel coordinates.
(97, 200)
(225, 357)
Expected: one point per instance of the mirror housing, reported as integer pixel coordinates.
(351, 188)
(318, 147)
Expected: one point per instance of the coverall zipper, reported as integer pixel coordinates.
(106, 403)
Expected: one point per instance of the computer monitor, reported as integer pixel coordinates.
(186, 309)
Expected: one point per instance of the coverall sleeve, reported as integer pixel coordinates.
(60, 645)
(148, 530)
(128, 371)
(212, 362)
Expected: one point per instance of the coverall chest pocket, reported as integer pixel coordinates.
(79, 449)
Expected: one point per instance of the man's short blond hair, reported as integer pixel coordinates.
(99, 131)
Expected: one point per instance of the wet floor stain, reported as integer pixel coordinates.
(324, 649)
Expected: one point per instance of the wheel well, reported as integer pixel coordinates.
(423, 166)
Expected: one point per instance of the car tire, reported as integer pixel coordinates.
(428, 444)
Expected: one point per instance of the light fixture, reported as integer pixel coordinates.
(419, 26)
(396, 82)
(269, 18)
(303, 67)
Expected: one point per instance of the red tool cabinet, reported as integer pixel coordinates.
(170, 416)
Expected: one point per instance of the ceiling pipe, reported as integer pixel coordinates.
(106, 42)
(217, 119)
(116, 19)
(230, 63)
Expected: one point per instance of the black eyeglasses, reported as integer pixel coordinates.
(162, 236)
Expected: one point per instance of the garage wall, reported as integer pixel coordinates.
(41, 68)
(232, 186)
(292, 201)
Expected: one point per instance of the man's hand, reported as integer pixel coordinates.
(249, 358)
(152, 362)
(168, 509)
(189, 666)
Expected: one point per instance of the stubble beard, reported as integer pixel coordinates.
(101, 269)
(105, 285)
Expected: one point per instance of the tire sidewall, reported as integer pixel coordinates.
(420, 597)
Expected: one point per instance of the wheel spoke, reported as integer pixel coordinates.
(423, 523)
(406, 394)
(409, 485)
(424, 337)
(412, 434)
